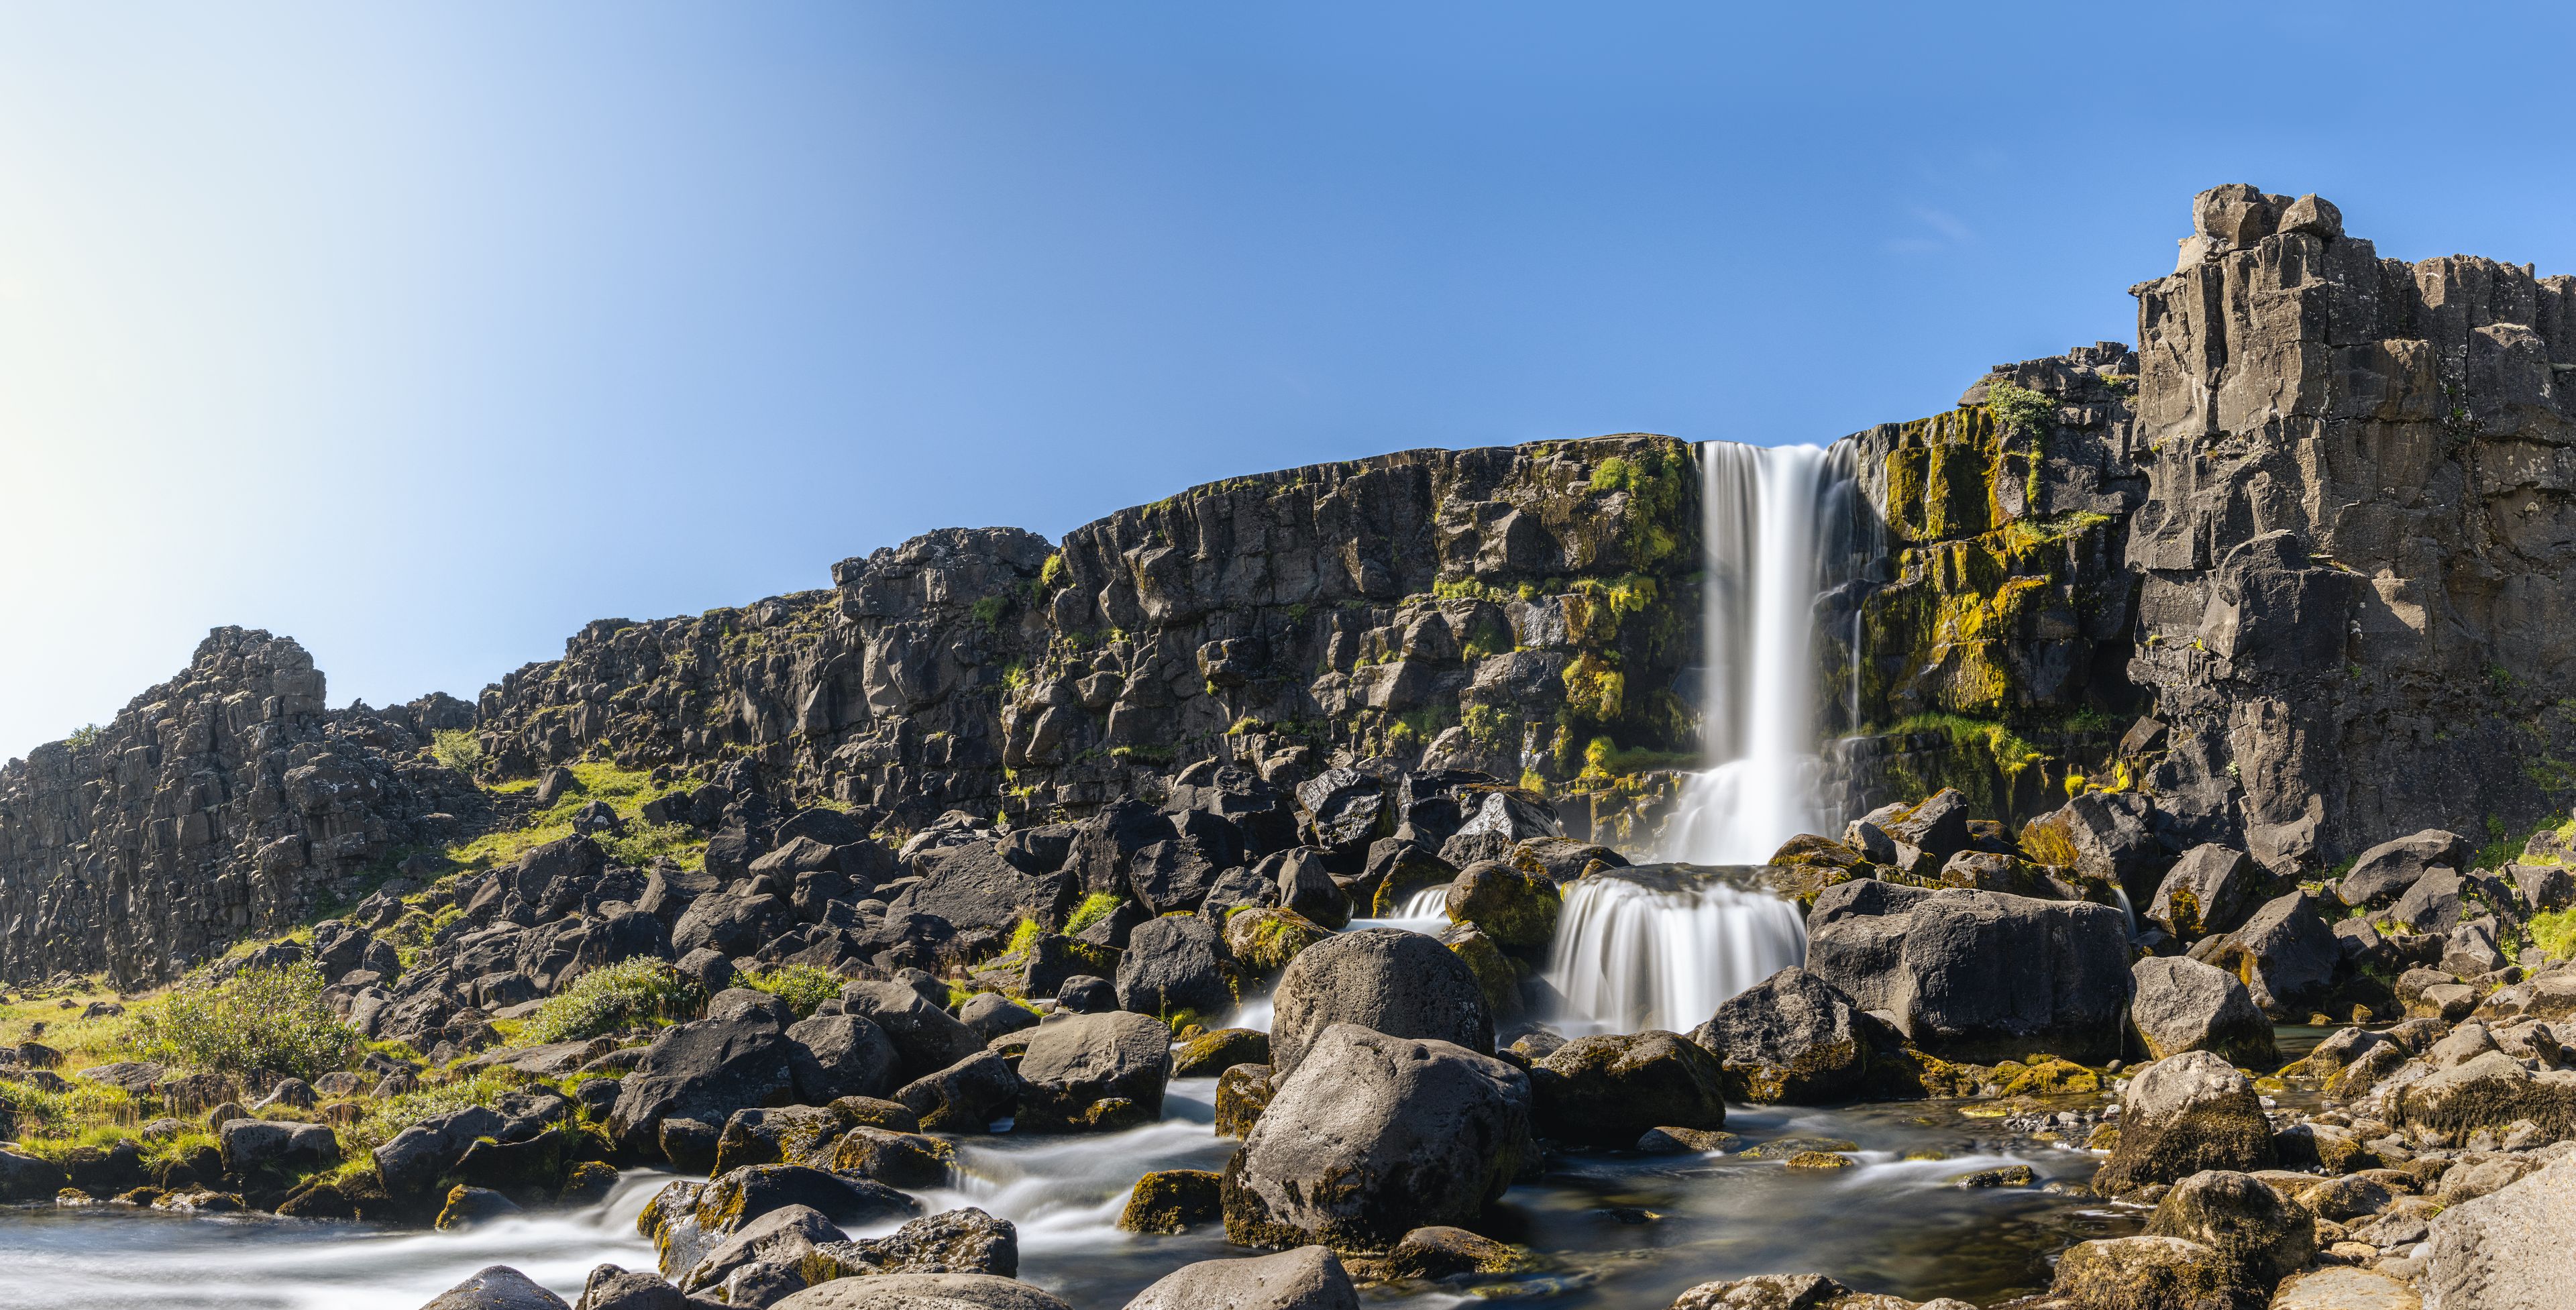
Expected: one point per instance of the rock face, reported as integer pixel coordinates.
(1374, 1136)
(1979, 975)
(220, 805)
(2507, 1250)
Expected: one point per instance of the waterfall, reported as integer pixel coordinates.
(1772, 519)
(1660, 947)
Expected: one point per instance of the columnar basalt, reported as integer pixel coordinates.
(222, 805)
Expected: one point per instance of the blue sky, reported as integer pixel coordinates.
(426, 334)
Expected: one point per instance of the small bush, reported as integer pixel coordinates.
(85, 736)
(621, 995)
(2020, 410)
(802, 986)
(2555, 932)
(457, 748)
(1094, 908)
(272, 1019)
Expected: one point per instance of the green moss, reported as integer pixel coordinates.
(626, 994)
(2020, 410)
(1094, 908)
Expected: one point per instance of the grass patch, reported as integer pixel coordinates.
(803, 986)
(272, 1019)
(1094, 908)
(623, 995)
(625, 790)
(457, 748)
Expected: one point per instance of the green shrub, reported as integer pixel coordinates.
(84, 736)
(1094, 908)
(802, 986)
(2555, 932)
(457, 748)
(621, 995)
(272, 1019)
(2020, 410)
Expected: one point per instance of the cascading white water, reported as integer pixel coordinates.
(1768, 515)
(1637, 951)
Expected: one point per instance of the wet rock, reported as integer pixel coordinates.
(2260, 1236)
(729, 1201)
(922, 1292)
(1375, 1136)
(1094, 1073)
(1515, 908)
(2184, 1005)
(792, 1134)
(1441, 1252)
(1210, 1054)
(1307, 1278)
(1671, 1139)
(468, 1206)
(965, 1097)
(2145, 1273)
(498, 1287)
(2508, 1248)
(1981, 976)
(1398, 983)
(2183, 1115)
(966, 1241)
(782, 1238)
(1792, 1292)
(1609, 1090)
(835, 1055)
(1170, 1200)
(1174, 965)
(689, 1145)
(2209, 890)
(928, 1038)
(1790, 1038)
(897, 1159)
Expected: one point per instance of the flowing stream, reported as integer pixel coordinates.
(1661, 948)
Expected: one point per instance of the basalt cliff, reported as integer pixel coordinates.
(2292, 575)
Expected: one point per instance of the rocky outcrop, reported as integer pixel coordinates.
(222, 805)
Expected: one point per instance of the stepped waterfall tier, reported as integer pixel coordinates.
(2102, 844)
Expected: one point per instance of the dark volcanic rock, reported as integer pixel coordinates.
(1986, 976)
(1791, 1038)
(1609, 1090)
(1399, 983)
(1094, 1072)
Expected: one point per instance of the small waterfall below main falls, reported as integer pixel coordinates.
(1661, 948)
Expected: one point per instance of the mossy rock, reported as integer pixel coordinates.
(2045, 1075)
(2018, 1175)
(1514, 908)
(1809, 851)
(1496, 976)
(1171, 1200)
(588, 1184)
(1263, 940)
(1242, 1093)
(875, 1112)
(1441, 1251)
(2143, 1273)
(1821, 1160)
(1782, 1148)
(895, 1159)
(1211, 1054)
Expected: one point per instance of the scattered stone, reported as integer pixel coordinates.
(1170, 1200)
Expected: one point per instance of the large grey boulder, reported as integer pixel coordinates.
(2183, 1115)
(1399, 983)
(978, 885)
(1791, 1038)
(929, 1038)
(2210, 889)
(1308, 1278)
(784, 1236)
(1608, 1090)
(2113, 839)
(732, 922)
(2286, 953)
(1174, 964)
(2261, 1236)
(965, 1097)
(418, 1155)
(1373, 1136)
(2184, 1005)
(497, 1287)
(923, 1292)
(2385, 871)
(837, 1055)
(704, 1071)
(254, 1145)
(966, 1241)
(2507, 1250)
(1094, 1073)
(1983, 976)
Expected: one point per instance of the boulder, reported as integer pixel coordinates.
(2385, 871)
(2341, 1287)
(1174, 965)
(1094, 1073)
(1171, 1200)
(837, 1055)
(2261, 1237)
(2184, 1005)
(1262, 941)
(897, 1159)
(1307, 1278)
(416, 1157)
(274, 1145)
(2286, 955)
(2102, 837)
(792, 1134)
(928, 1038)
(1927, 834)
(735, 1198)
(497, 1287)
(469, 1206)
(992, 1015)
(1982, 976)
(1307, 889)
(2209, 890)
(2146, 1273)
(1609, 1090)
(2183, 1115)
(966, 1241)
(977, 885)
(704, 1071)
(1513, 907)
(1084, 994)
(1210, 1054)
(1398, 983)
(612, 1288)
(781, 1238)
(732, 922)
(1372, 1136)
(922, 1292)
(965, 1097)
(2507, 1250)
(1794, 1292)
(1791, 1038)
(2487, 1090)
(1243, 1091)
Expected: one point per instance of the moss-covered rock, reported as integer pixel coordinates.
(1609, 1090)
(1497, 977)
(1210, 1054)
(1515, 908)
(2143, 1273)
(895, 1159)
(1263, 940)
(1171, 1200)
(1242, 1093)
